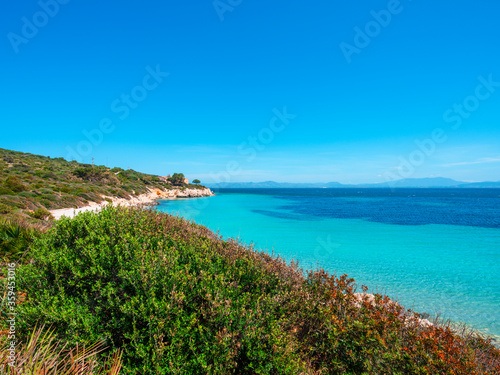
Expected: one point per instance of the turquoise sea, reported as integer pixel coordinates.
(434, 250)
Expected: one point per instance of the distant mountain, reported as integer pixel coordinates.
(276, 185)
(430, 182)
(487, 184)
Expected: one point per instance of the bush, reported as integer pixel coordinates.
(15, 202)
(89, 173)
(46, 175)
(4, 209)
(65, 189)
(177, 179)
(177, 299)
(5, 191)
(28, 194)
(22, 168)
(40, 213)
(13, 183)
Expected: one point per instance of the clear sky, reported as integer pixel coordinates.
(348, 91)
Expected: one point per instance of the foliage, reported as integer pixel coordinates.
(177, 179)
(4, 209)
(44, 354)
(15, 239)
(40, 213)
(196, 181)
(29, 182)
(14, 184)
(179, 300)
(90, 173)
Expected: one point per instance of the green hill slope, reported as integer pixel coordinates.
(30, 182)
(179, 300)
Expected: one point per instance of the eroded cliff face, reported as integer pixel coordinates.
(183, 193)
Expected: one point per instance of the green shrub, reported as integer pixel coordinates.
(177, 179)
(22, 168)
(5, 191)
(46, 175)
(85, 196)
(65, 189)
(40, 213)
(28, 194)
(14, 202)
(4, 209)
(14, 183)
(178, 300)
(50, 197)
(89, 173)
(145, 295)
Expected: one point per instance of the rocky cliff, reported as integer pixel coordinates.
(183, 193)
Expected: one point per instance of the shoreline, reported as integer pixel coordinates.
(142, 199)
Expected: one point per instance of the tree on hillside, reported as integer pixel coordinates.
(196, 181)
(90, 173)
(177, 179)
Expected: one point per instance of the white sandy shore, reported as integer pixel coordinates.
(143, 199)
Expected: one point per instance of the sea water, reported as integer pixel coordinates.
(436, 251)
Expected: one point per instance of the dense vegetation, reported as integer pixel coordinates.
(32, 184)
(179, 300)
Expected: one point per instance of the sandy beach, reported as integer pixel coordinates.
(143, 199)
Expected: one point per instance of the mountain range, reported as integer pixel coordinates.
(430, 182)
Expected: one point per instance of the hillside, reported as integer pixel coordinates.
(32, 184)
(177, 299)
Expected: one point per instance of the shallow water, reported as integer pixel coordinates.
(434, 250)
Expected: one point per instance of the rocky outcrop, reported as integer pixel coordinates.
(147, 199)
(183, 193)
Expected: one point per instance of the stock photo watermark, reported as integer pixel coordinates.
(255, 143)
(462, 111)
(248, 150)
(363, 36)
(11, 315)
(325, 247)
(122, 108)
(455, 115)
(32, 25)
(266, 135)
(223, 6)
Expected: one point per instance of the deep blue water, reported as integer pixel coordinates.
(471, 207)
(434, 250)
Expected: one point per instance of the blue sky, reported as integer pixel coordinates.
(238, 90)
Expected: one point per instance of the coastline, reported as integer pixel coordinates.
(142, 199)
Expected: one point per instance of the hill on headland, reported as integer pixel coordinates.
(32, 184)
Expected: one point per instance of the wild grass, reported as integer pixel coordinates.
(44, 354)
(16, 237)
